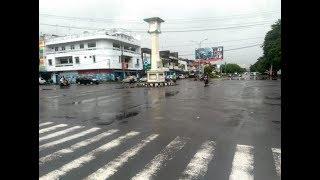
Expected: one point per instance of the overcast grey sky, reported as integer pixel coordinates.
(178, 15)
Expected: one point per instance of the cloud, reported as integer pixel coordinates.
(188, 11)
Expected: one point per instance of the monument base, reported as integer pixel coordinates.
(156, 76)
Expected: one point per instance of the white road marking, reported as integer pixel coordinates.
(104, 97)
(94, 99)
(277, 159)
(242, 165)
(68, 138)
(88, 100)
(51, 128)
(112, 167)
(76, 146)
(153, 167)
(107, 101)
(56, 174)
(55, 134)
(53, 97)
(199, 163)
(44, 124)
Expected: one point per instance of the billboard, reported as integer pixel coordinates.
(209, 54)
(146, 61)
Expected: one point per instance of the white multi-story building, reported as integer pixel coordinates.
(99, 53)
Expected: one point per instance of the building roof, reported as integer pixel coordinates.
(153, 19)
(119, 35)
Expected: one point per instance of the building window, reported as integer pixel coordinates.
(91, 45)
(89, 56)
(137, 62)
(115, 45)
(56, 48)
(63, 48)
(94, 58)
(119, 59)
(81, 46)
(85, 57)
(77, 60)
(50, 62)
(72, 47)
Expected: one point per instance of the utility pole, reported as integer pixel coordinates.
(121, 59)
(199, 59)
(225, 67)
(270, 72)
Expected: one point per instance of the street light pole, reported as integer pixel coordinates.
(200, 42)
(122, 46)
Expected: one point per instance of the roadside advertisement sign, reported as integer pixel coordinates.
(209, 54)
(146, 61)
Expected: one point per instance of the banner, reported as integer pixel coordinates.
(209, 54)
(146, 61)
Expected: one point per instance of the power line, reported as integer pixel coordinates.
(229, 16)
(216, 42)
(168, 31)
(169, 21)
(220, 28)
(73, 27)
(228, 49)
(243, 47)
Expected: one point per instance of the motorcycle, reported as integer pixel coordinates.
(65, 83)
(206, 81)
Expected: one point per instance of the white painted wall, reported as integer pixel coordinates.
(106, 57)
(185, 65)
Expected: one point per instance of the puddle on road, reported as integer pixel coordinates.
(65, 117)
(172, 93)
(158, 117)
(124, 122)
(120, 117)
(126, 115)
(102, 122)
(273, 97)
(272, 104)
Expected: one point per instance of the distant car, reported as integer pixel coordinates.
(181, 76)
(191, 75)
(87, 80)
(129, 79)
(42, 81)
(143, 79)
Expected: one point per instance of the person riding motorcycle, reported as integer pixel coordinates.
(64, 81)
(206, 80)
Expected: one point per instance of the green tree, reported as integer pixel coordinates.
(208, 69)
(271, 50)
(231, 68)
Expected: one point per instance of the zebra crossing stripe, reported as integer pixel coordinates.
(199, 163)
(153, 167)
(76, 146)
(51, 128)
(55, 134)
(56, 174)
(44, 124)
(242, 165)
(112, 167)
(68, 138)
(277, 159)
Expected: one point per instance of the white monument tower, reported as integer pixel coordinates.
(156, 73)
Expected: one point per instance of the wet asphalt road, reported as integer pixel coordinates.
(241, 117)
